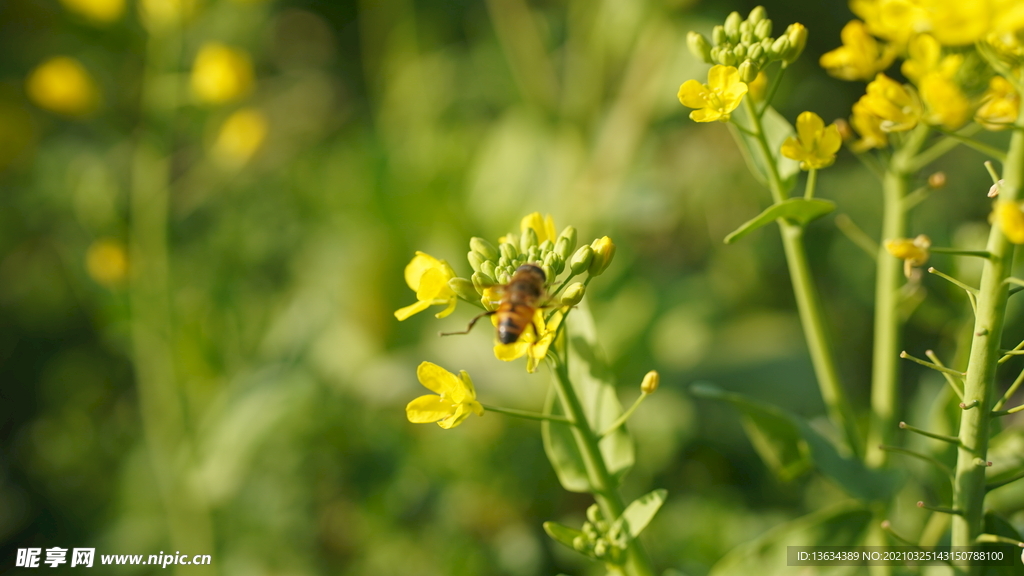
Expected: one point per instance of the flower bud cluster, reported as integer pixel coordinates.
(748, 44)
(598, 541)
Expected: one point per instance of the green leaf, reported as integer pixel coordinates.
(562, 534)
(639, 514)
(592, 381)
(784, 440)
(844, 524)
(798, 210)
(776, 130)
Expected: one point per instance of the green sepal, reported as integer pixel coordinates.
(789, 444)
(563, 534)
(798, 210)
(638, 514)
(776, 130)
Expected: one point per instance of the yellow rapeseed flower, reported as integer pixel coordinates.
(1000, 105)
(240, 136)
(528, 344)
(62, 85)
(428, 277)
(897, 105)
(951, 22)
(912, 252)
(1011, 220)
(815, 145)
(860, 57)
(163, 14)
(716, 99)
(453, 402)
(945, 104)
(106, 261)
(100, 11)
(869, 127)
(543, 226)
(221, 74)
(926, 58)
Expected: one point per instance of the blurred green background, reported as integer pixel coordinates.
(370, 130)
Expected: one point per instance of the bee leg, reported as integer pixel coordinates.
(471, 324)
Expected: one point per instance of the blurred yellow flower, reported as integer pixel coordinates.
(716, 99)
(897, 105)
(106, 261)
(240, 136)
(860, 57)
(951, 22)
(221, 74)
(161, 14)
(945, 104)
(914, 251)
(428, 277)
(535, 349)
(1011, 220)
(101, 11)
(544, 227)
(815, 145)
(62, 85)
(454, 401)
(757, 88)
(1000, 105)
(925, 57)
(869, 127)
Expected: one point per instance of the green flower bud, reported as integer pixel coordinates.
(732, 26)
(779, 47)
(718, 36)
(757, 15)
(573, 294)
(464, 289)
(600, 547)
(485, 248)
(513, 239)
(716, 55)
(558, 263)
(699, 46)
(475, 260)
(581, 260)
(763, 29)
(604, 251)
(579, 543)
(589, 531)
(756, 53)
(546, 246)
(481, 281)
(766, 44)
(747, 37)
(797, 35)
(503, 277)
(594, 514)
(508, 251)
(549, 272)
(650, 383)
(740, 52)
(745, 27)
(488, 268)
(529, 240)
(502, 262)
(563, 248)
(748, 71)
(727, 58)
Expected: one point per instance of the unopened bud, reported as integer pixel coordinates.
(529, 240)
(579, 543)
(763, 29)
(732, 26)
(569, 234)
(650, 383)
(994, 189)
(780, 47)
(546, 246)
(594, 514)
(485, 248)
(557, 262)
(573, 294)
(845, 132)
(488, 268)
(464, 289)
(747, 37)
(581, 260)
(481, 281)
(549, 272)
(757, 15)
(604, 251)
(601, 546)
(797, 35)
(699, 46)
(756, 52)
(937, 180)
(508, 251)
(718, 36)
(740, 52)
(727, 58)
(475, 260)
(748, 71)
(746, 27)
(563, 248)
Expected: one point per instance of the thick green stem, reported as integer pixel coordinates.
(888, 279)
(605, 492)
(840, 412)
(969, 485)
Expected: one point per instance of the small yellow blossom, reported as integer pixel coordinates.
(1011, 219)
(221, 74)
(650, 382)
(912, 252)
(895, 104)
(535, 349)
(1000, 105)
(163, 14)
(869, 127)
(951, 22)
(944, 102)
(716, 99)
(893, 20)
(926, 58)
(604, 252)
(240, 137)
(62, 85)
(757, 88)
(100, 11)
(860, 57)
(428, 277)
(543, 226)
(815, 145)
(107, 262)
(454, 401)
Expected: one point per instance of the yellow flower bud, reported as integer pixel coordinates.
(62, 85)
(573, 294)
(107, 262)
(604, 251)
(915, 251)
(1011, 220)
(240, 137)
(650, 383)
(99, 11)
(221, 74)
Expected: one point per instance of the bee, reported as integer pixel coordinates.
(520, 298)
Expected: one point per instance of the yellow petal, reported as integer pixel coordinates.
(437, 379)
(723, 77)
(451, 308)
(831, 140)
(1011, 220)
(510, 352)
(434, 285)
(414, 270)
(792, 149)
(428, 408)
(403, 313)
(808, 126)
(549, 230)
(693, 94)
(706, 115)
(455, 418)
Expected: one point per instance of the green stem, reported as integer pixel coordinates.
(605, 491)
(624, 417)
(969, 485)
(812, 181)
(888, 279)
(840, 412)
(525, 414)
